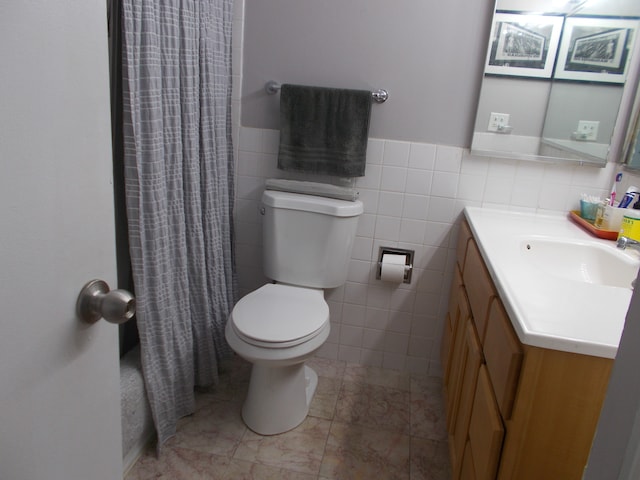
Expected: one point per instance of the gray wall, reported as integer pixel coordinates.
(428, 55)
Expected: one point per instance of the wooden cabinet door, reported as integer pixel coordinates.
(467, 472)
(486, 430)
(451, 326)
(456, 365)
(503, 353)
(471, 359)
(479, 287)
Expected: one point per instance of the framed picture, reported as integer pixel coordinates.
(596, 49)
(523, 45)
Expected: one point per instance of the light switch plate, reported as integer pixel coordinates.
(498, 122)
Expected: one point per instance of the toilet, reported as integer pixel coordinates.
(307, 243)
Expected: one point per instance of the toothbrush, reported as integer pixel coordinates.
(613, 188)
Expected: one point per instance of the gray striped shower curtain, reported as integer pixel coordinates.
(179, 193)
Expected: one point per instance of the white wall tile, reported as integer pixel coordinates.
(362, 248)
(388, 228)
(250, 139)
(396, 153)
(366, 225)
(355, 293)
(393, 179)
(471, 187)
(418, 181)
(444, 184)
(372, 177)
(415, 207)
(390, 204)
(412, 231)
(422, 156)
(271, 141)
(371, 358)
(375, 150)
(441, 210)
(349, 354)
(351, 336)
(448, 159)
(354, 314)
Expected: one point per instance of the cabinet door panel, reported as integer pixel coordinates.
(467, 472)
(472, 359)
(451, 326)
(503, 354)
(486, 430)
(479, 286)
(463, 239)
(457, 362)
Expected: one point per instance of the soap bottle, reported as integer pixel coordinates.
(630, 227)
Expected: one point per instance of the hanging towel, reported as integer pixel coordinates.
(324, 130)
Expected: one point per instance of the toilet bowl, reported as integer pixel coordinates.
(277, 327)
(307, 242)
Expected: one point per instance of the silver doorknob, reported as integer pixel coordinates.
(96, 301)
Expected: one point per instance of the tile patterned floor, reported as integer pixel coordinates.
(364, 423)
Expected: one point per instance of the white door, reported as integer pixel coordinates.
(59, 380)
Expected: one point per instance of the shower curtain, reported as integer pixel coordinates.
(179, 193)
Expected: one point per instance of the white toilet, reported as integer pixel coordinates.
(307, 243)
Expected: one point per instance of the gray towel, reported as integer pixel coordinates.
(324, 130)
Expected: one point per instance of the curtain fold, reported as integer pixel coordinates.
(179, 192)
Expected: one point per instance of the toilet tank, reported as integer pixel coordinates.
(307, 240)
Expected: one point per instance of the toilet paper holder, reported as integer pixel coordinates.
(408, 269)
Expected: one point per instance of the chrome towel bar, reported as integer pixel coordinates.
(379, 96)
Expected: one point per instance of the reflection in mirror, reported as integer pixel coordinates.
(555, 78)
(633, 141)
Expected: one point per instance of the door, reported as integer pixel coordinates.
(59, 380)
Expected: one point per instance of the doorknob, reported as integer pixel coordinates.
(96, 301)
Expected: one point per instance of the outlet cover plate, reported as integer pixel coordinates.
(588, 130)
(498, 122)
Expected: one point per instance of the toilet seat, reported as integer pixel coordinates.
(280, 316)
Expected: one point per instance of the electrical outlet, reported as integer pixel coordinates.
(498, 122)
(587, 130)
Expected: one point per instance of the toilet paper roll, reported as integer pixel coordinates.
(392, 268)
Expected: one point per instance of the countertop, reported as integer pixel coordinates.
(547, 311)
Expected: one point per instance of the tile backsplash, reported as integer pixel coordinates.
(413, 195)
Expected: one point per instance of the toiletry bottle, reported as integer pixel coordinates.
(630, 227)
(628, 197)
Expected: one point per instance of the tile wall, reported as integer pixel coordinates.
(413, 195)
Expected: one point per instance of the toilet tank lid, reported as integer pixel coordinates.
(312, 203)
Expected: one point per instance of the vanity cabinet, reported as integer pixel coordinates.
(514, 411)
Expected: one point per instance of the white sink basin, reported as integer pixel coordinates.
(581, 261)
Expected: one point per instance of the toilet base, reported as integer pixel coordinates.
(278, 398)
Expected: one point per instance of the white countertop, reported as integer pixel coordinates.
(545, 310)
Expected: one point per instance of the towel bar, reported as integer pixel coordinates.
(379, 96)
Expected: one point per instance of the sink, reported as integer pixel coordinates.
(580, 261)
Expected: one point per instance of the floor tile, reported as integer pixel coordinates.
(374, 406)
(324, 401)
(299, 450)
(377, 376)
(364, 423)
(429, 460)
(354, 452)
(325, 367)
(242, 470)
(215, 427)
(179, 464)
(428, 418)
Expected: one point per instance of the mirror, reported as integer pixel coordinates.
(632, 141)
(555, 77)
